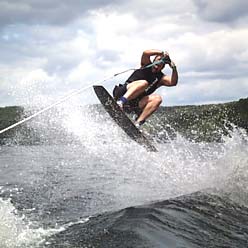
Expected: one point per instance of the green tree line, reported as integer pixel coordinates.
(195, 122)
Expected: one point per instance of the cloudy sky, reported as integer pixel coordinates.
(51, 47)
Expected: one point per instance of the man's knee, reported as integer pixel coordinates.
(143, 83)
(157, 100)
(140, 84)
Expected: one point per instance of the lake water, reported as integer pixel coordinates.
(97, 188)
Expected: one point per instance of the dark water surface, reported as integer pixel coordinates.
(103, 190)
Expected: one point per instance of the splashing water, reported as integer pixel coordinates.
(87, 165)
(180, 166)
(14, 231)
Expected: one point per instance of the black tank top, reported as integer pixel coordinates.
(146, 74)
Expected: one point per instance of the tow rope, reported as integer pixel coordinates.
(76, 92)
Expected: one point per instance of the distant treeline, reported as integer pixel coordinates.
(199, 123)
(9, 116)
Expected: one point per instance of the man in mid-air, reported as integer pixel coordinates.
(136, 94)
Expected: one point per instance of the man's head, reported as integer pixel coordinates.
(163, 59)
(159, 66)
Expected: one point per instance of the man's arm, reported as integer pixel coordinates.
(145, 59)
(170, 80)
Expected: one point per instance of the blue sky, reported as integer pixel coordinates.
(49, 48)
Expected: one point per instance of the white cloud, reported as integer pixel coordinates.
(220, 51)
(80, 43)
(206, 91)
(46, 12)
(220, 11)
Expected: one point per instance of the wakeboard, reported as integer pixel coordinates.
(121, 118)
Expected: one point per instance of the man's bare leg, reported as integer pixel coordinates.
(135, 88)
(149, 104)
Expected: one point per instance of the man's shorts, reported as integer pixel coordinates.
(119, 91)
